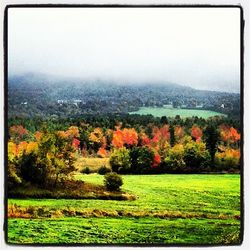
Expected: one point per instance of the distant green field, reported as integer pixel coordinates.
(172, 112)
(172, 209)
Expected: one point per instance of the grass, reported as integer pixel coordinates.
(172, 112)
(192, 209)
(123, 231)
(92, 163)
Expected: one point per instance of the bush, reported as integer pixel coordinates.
(85, 170)
(104, 170)
(113, 181)
(120, 160)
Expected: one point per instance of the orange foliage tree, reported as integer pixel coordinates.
(179, 133)
(160, 140)
(196, 133)
(229, 159)
(72, 132)
(229, 135)
(97, 139)
(127, 137)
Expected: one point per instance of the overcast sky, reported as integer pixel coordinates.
(198, 47)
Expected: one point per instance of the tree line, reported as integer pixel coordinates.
(46, 157)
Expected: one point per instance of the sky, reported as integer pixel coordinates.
(196, 47)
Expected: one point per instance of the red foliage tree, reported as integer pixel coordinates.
(196, 133)
(75, 143)
(156, 160)
(145, 141)
(17, 133)
(229, 134)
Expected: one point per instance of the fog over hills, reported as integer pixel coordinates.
(195, 47)
(49, 80)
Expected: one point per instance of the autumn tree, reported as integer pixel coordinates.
(143, 140)
(229, 135)
(156, 160)
(127, 137)
(97, 139)
(102, 152)
(117, 140)
(17, 133)
(179, 133)
(48, 160)
(196, 133)
(161, 139)
(228, 160)
(13, 172)
(72, 132)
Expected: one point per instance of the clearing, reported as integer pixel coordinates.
(172, 112)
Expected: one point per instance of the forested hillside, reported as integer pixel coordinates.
(33, 95)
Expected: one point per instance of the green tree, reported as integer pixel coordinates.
(142, 159)
(196, 156)
(172, 135)
(174, 161)
(211, 135)
(120, 160)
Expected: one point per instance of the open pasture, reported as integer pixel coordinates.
(167, 209)
(172, 112)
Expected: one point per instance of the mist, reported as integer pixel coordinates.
(196, 47)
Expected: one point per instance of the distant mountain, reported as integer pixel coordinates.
(42, 95)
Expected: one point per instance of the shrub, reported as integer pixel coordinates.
(120, 160)
(113, 181)
(85, 170)
(104, 170)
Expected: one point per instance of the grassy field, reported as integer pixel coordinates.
(92, 163)
(171, 209)
(172, 112)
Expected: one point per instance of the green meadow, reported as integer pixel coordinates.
(172, 112)
(169, 209)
